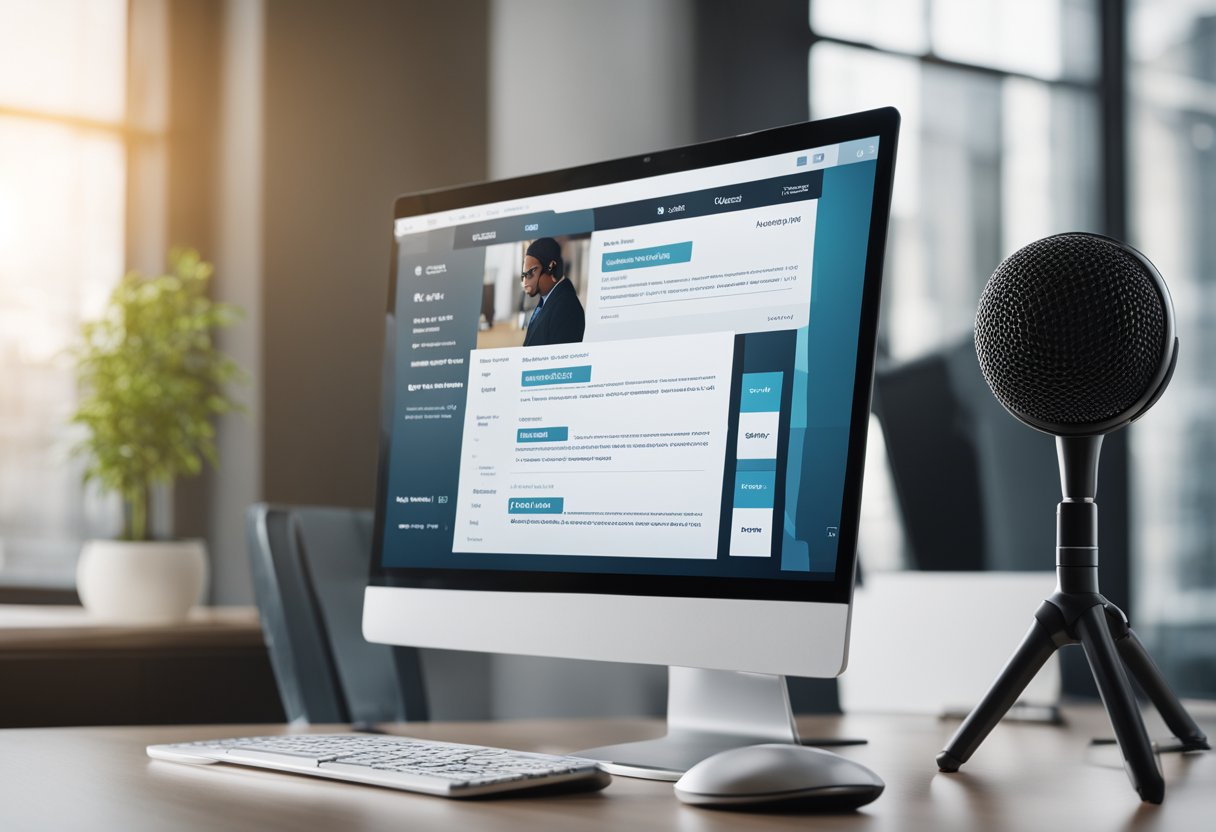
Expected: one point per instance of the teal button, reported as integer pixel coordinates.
(645, 258)
(755, 465)
(542, 434)
(761, 393)
(754, 489)
(556, 375)
(535, 505)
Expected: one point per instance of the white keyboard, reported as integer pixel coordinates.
(439, 768)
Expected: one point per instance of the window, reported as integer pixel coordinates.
(63, 184)
(999, 144)
(1003, 142)
(1172, 143)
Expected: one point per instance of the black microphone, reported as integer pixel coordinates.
(1075, 336)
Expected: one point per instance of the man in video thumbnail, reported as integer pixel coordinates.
(558, 317)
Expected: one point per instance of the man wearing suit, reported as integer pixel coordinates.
(558, 317)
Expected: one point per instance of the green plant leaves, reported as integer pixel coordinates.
(153, 381)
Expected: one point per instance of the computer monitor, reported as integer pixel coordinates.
(662, 463)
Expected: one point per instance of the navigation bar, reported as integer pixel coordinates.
(739, 197)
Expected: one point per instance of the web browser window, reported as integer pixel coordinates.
(648, 377)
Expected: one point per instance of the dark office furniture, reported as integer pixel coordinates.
(976, 489)
(310, 567)
(61, 666)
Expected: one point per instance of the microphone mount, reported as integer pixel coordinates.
(1077, 515)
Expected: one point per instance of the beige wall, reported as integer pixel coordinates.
(578, 81)
(238, 279)
(364, 101)
(360, 101)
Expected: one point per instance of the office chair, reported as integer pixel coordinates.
(310, 567)
(976, 489)
(934, 464)
(973, 485)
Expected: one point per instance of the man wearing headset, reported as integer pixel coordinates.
(558, 317)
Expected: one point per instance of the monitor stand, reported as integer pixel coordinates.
(707, 711)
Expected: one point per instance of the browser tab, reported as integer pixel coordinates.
(528, 227)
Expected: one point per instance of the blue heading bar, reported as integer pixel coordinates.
(556, 375)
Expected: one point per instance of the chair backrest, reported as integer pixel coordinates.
(976, 488)
(310, 567)
(932, 453)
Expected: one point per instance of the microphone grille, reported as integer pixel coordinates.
(1071, 330)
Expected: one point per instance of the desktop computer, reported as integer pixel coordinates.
(624, 418)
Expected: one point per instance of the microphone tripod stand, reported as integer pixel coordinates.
(1078, 614)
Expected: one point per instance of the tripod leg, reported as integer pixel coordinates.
(1146, 672)
(1120, 704)
(1034, 651)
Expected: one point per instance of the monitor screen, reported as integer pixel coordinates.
(649, 376)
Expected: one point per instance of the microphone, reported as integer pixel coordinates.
(1075, 337)
(1075, 334)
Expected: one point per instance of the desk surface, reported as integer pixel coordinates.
(1030, 777)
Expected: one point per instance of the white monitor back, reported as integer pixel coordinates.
(777, 637)
(932, 642)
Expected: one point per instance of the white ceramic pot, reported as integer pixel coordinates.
(141, 582)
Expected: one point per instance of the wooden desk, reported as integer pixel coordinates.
(59, 666)
(1025, 777)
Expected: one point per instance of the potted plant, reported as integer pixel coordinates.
(152, 384)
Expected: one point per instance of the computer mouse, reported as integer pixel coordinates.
(779, 776)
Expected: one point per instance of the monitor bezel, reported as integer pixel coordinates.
(836, 588)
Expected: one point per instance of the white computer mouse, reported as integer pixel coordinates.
(779, 776)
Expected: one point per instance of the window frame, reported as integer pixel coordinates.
(143, 133)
